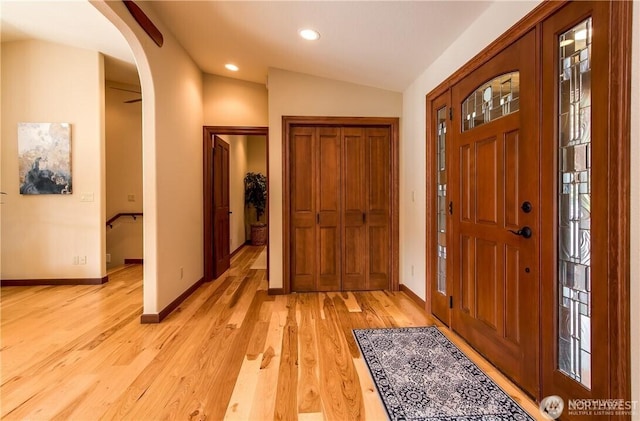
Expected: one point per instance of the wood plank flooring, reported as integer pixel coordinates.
(230, 351)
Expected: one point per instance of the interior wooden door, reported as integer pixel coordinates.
(315, 200)
(221, 252)
(578, 162)
(378, 211)
(494, 183)
(328, 219)
(366, 232)
(439, 227)
(303, 155)
(354, 198)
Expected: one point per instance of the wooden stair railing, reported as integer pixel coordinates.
(111, 220)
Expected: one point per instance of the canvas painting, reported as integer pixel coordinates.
(44, 158)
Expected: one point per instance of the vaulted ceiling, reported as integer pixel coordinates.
(385, 44)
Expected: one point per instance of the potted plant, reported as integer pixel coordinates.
(255, 194)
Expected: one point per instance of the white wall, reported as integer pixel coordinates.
(497, 18)
(296, 94)
(233, 102)
(45, 82)
(172, 158)
(123, 123)
(257, 154)
(237, 171)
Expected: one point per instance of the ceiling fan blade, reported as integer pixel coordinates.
(126, 90)
(131, 101)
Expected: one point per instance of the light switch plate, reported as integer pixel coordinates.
(86, 197)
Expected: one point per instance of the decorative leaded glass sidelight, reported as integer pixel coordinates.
(492, 100)
(574, 203)
(442, 200)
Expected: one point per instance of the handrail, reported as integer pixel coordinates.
(113, 219)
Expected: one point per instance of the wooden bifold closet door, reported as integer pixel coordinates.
(340, 208)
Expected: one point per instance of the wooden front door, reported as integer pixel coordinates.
(221, 253)
(494, 186)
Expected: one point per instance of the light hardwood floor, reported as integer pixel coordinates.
(229, 351)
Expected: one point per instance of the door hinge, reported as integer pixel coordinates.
(450, 208)
(450, 113)
(450, 301)
(317, 218)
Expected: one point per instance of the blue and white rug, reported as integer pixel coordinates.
(421, 375)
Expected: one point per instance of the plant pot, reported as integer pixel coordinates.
(258, 234)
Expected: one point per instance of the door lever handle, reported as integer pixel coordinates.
(524, 232)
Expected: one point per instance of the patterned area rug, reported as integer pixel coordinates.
(421, 375)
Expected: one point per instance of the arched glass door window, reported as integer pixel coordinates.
(494, 99)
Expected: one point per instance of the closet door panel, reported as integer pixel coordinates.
(379, 259)
(355, 257)
(378, 167)
(303, 212)
(328, 188)
(340, 181)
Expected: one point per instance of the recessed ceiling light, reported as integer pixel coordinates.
(231, 67)
(309, 34)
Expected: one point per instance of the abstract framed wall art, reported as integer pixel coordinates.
(44, 158)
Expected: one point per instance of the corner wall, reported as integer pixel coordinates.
(46, 82)
(172, 158)
(297, 94)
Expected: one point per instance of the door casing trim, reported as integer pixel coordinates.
(207, 166)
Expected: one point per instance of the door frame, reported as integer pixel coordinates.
(207, 215)
(393, 123)
(619, 141)
(437, 100)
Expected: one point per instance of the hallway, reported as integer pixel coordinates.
(229, 351)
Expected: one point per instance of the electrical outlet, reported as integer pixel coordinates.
(181, 272)
(83, 260)
(108, 257)
(131, 197)
(412, 270)
(76, 260)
